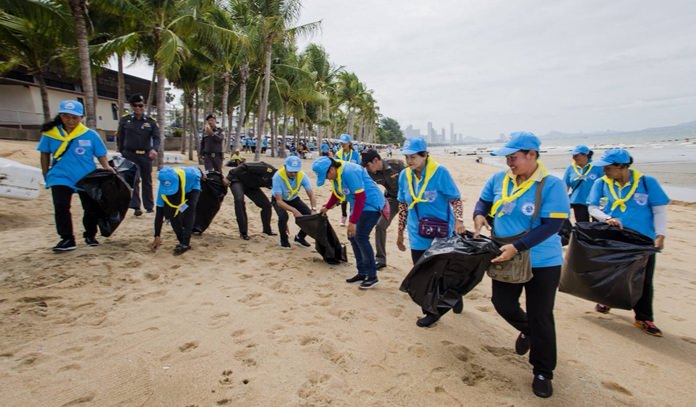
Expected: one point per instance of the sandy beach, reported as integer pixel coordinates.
(244, 323)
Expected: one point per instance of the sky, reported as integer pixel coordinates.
(495, 66)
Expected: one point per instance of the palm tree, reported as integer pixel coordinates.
(33, 35)
(78, 9)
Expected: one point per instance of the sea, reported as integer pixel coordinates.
(671, 162)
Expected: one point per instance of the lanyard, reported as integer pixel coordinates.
(293, 192)
(182, 182)
(517, 190)
(621, 202)
(579, 173)
(336, 185)
(417, 195)
(58, 134)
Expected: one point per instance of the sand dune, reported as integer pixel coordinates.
(244, 323)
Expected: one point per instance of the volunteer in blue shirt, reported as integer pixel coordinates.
(509, 200)
(177, 198)
(636, 201)
(348, 154)
(579, 178)
(68, 149)
(286, 198)
(351, 183)
(426, 190)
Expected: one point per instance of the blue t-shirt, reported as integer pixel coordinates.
(518, 215)
(572, 180)
(353, 157)
(440, 190)
(76, 162)
(324, 148)
(354, 178)
(193, 181)
(638, 215)
(280, 187)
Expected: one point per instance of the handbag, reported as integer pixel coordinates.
(432, 227)
(517, 270)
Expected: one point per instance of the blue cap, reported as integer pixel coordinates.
(71, 107)
(345, 138)
(615, 156)
(293, 164)
(581, 149)
(519, 140)
(169, 181)
(320, 167)
(414, 145)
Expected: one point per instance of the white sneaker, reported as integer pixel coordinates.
(343, 220)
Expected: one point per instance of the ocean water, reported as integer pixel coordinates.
(672, 163)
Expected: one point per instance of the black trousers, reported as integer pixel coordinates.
(644, 306)
(344, 209)
(182, 224)
(144, 177)
(581, 212)
(259, 198)
(213, 161)
(283, 216)
(415, 256)
(62, 198)
(538, 322)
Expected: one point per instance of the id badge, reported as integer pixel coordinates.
(508, 207)
(183, 207)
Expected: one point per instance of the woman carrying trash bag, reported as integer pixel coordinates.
(67, 151)
(579, 177)
(624, 197)
(428, 199)
(177, 198)
(348, 154)
(528, 208)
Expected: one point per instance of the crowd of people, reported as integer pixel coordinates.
(523, 208)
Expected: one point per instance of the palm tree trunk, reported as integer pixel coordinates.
(351, 117)
(319, 135)
(281, 150)
(263, 104)
(243, 75)
(121, 86)
(225, 95)
(151, 91)
(44, 95)
(183, 134)
(161, 112)
(78, 9)
(194, 130)
(230, 124)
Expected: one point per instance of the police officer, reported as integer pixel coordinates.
(211, 144)
(138, 140)
(385, 173)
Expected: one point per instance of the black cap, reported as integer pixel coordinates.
(210, 116)
(136, 98)
(368, 155)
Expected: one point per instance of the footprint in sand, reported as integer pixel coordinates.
(151, 276)
(188, 346)
(73, 366)
(496, 350)
(250, 297)
(474, 374)
(688, 340)
(617, 388)
(226, 379)
(395, 312)
(310, 389)
(81, 400)
(485, 308)
(461, 352)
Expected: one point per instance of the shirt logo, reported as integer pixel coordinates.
(528, 209)
(641, 199)
(346, 191)
(79, 150)
(593, 176)
(145, 126)
(430, 196)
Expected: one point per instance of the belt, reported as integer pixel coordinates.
(137, 151)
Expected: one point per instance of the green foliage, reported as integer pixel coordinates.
(389, 132)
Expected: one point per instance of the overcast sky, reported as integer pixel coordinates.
(498, 66)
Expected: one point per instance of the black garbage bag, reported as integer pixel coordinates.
(450, 268)
(213, 192)
(113, 196)
(605, 264)
(317, 227)
(564, 233)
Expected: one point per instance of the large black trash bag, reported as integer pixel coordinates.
(113, 196)
(213, 192)
(564, 233)
(605, 264)
(317, 227)
(450, 268)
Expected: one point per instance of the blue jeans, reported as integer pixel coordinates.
(364, 255)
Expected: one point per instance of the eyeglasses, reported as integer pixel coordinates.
(138, 105)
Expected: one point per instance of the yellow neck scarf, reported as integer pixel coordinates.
(298, 178)
(342, 156)
(517, 190)
(182, 183)
(428, 172)
(336, 187)
(579, 173)
(621, 202)
(58, 134)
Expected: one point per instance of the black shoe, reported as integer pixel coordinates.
(137, 212)
(522, 344)
(369, 282)
(427, 320)
(197, 231)
(285, 245)
(181, 249)
(542, 386)
(380, 266)
(65, 245)
(271, 233)
(358, 278)
(91, 241)
(458, 307)
(601, 308)
(245, 237)
(302, 242)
